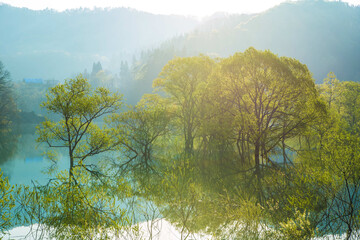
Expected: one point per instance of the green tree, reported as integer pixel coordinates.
(330, 89)
(143, 126)
(183, 80)
(338, 159)
(348, 104)
(266, 99)
(241, 115)
(7, 104)
(341, 158)
(326, 181)
(78, 107)
(6, 204)
(82, 200)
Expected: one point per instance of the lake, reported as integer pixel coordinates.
(22, 159)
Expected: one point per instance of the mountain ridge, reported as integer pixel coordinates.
(76, 38)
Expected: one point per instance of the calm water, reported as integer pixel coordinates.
(22, 159)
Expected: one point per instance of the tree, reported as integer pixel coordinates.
(330, 89)
(338, 159)
(7, 114)
(83, 198)
(78, 106)
(143, 125)
(341, 160)
(266, 99)
(326, 181)
(104, 79)
(183, 80)
(7, 104)
(348, 103)
(96, 68)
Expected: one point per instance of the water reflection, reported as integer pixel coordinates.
(176, 188)
(22, 158)
(8, 145)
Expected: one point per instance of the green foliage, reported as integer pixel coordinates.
(330, 89)
(7, 103)
(327, 181)
(181, 196)
(184, 80)
(243, 147)
(85, 209)
(266, 100)
(234, 118)
(348, 106)
(298, 227)
(143, 126)
(6, 204)
(82, 203)
(244, 218)
(78, 106)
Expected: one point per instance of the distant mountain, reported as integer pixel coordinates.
(323, 35)
(48, 44)
(51, 44)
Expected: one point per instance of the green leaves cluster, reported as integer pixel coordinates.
(7, 203)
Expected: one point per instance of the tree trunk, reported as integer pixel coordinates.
(257, 157)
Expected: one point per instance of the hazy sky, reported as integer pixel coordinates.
(183, 7)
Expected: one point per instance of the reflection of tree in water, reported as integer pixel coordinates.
(30, 149)
(19, 135)
(8, 145)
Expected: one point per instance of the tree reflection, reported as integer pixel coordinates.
(8, 145)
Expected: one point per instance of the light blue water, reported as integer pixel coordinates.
(27, 161)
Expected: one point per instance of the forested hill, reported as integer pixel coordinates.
(51, 44)
(323, 35)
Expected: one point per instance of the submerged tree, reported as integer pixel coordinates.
(84, 197)
(266, 99)
(183, 80)
(143, 126)
(78, 107)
